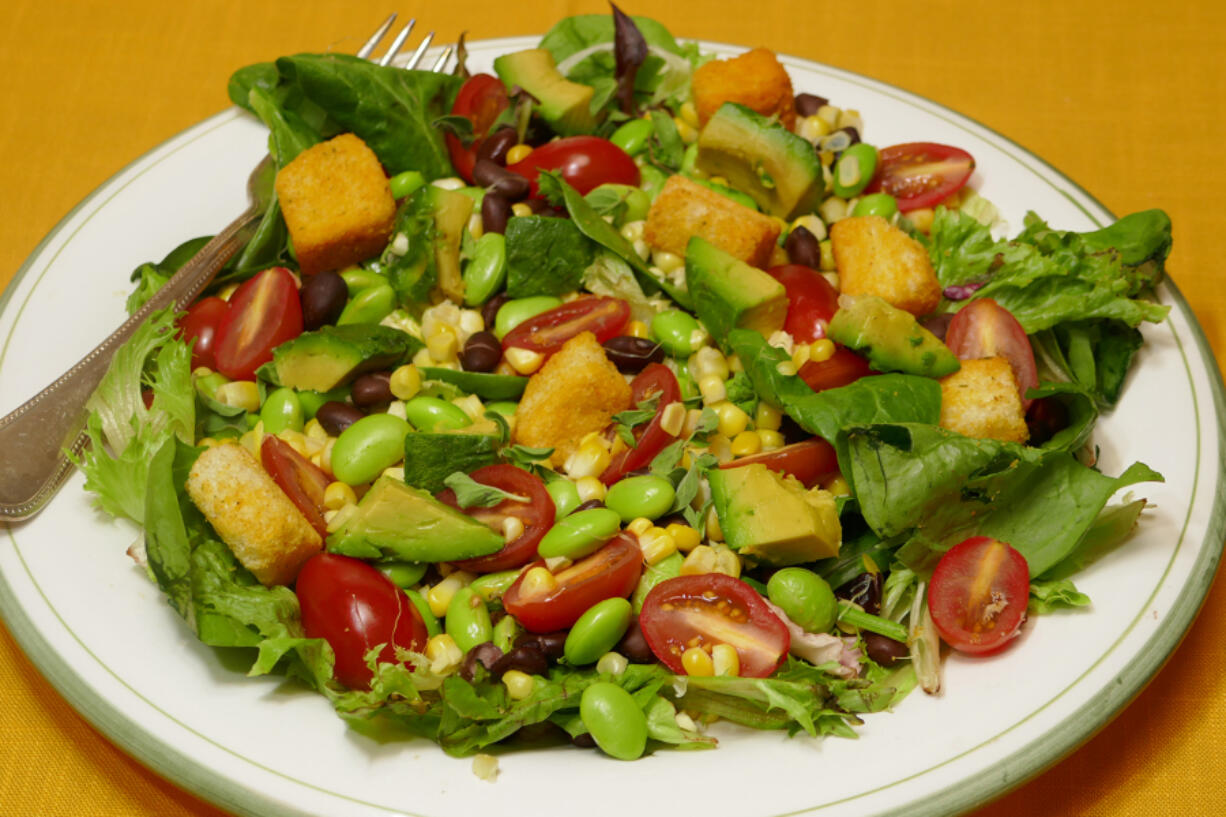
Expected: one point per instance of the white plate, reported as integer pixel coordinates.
(104, 636)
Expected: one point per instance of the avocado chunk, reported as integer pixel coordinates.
(398, 521)
(451, 212)
(891, 338)
(729, 294)
(565, 105)
(424, 250)
(333, 355)
(757, 155)
(772, 518)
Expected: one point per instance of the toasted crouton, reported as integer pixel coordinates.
(268, 535)
(981, 400)
(337, 204)
(875, 258)
(755, 79)
(685, 208)
(576, 392)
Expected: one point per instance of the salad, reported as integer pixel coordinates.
(623, 391)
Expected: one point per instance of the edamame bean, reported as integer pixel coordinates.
(282, 411)
(688, 160)
(597, 631)
(368, 446)
(505, 408)
(579, 534)
(854, 170)
(876, 204)
(614, 720)
(632, 137)
(486, 272)
(565, 496)
(805, 597)
(516, 311)
(678, 332)
(491, 586)
(642, 496)
(403, 574)
(434, 414)
(423, 607)
(403, 184)
(505, 632)
(369, 306)
(468, 619)
(357, 279)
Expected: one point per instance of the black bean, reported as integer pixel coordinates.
(372, 389)
(634, 645)
(323, 296)
(495, 210)
(587, 506)
(631, 355)
(499, 181)
(864, 590)
(809, 104)
(803, 248)
(489, 312)
(496, 145)
(551, 644)
(528, 658)
(486, 654)
(335, 416)
(885, 651)
(481, 352)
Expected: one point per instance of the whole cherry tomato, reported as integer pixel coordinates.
(586, 162)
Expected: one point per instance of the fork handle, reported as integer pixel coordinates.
(35, 439)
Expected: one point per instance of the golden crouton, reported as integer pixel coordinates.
(268, 535)
(576, 392)
(981, 400)
(337, 204)
(755, 79)
(685, 208)
(875, 258)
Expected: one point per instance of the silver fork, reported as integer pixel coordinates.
(35, 439)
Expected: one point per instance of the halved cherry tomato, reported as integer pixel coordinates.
(200, 324)
(810, 461)
(536, 514)
(710, 609)
(841, 368)
(264, 313)
(978, 594)
(586, 162)
(481, 99)
(655, 379)
(921, 174)
(546, 332)
(812, 301)
(355, 608)
(984, 328)
(301, 480)
(613, 571)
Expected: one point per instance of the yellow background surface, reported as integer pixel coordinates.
(1127, 98)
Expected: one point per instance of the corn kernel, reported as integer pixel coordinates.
(696, 661)
(850, 118)
(685, 722)
(640, 525)
(485, 767)
(713, 389)
(734, 364)
(720, 447)
(709, 361)
(253, 439)
(512, 528)
(520, 209)
(337, 495)
(244, 394)
(821, 350)
(422, 358)
(672, 418)
(786, 368)
(617, 446)
(766, 417)
(685, 537)
(519, 684)
(405, 382)
(295, 440)
(613, 663)
(315, 431)
(724, 660)
(688, 133)
(827, 250)
(518, 153)
(450, 183)
(726, 560)
(590, 487)
(657, 545)
(325, 456)
(444, 654)
(714, 532)
(637, 329)
(590, 458)
(337, 519)
(476, 225)
(443, 343)
(633, 230)
(832, 209)
(837, 485)
(699, 561)
(689, 113)
(667, 261)
(557, 564)
(439, 596)
(829, 114)
(641, 249)
(524, 361)
(800, 355)
(538, 581)
(732, 419)
(812, 128)
(692, 418)
(811, 223)
(921, 219)
(471, 405)
(746, 444)
(771, 440)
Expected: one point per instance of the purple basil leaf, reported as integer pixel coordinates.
(630, 49)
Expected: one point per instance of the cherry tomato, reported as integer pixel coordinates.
(586, 162)
(611, 572)
(536, 514)
(481, 99)
(301, 480)
(984, 328)
(921, 174)
(978, 594)
(546, 332)
(810, 461)
(355, 608)
(200, 324)
(711, 609)
(655, 379)
(264, 313)
(840, 369)
(812, 301)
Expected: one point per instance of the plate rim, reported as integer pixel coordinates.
(1015, 769)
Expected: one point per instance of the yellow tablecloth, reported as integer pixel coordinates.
(1126, 97)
